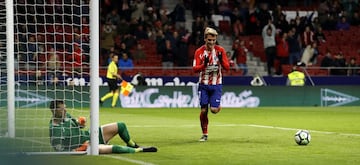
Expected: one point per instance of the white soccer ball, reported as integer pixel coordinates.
(302, 137)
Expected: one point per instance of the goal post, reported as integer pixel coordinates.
(10, 68)
(94, 72)
(52, 53)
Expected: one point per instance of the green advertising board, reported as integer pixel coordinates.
(186, 96)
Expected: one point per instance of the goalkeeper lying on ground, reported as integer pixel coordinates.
(66, 133)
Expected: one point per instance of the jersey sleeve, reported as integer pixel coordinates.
(225, 62)
(198, 64)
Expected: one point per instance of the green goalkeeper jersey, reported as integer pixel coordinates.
(67, 135)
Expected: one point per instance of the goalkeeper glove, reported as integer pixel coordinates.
(81, 120)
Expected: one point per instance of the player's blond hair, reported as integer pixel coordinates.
(210, 31)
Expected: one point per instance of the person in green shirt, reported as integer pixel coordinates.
(67, 133)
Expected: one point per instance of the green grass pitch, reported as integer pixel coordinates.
(253, 136)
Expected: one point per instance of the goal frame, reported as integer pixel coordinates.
(94, 75)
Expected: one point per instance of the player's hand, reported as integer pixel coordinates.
(220, 57)
(83, 146)
(206, 61)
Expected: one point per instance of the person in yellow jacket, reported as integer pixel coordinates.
(112, 78)
(296, 78)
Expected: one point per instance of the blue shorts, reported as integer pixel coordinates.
(210, 94)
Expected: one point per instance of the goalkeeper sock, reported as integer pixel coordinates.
(114, 100)
(123, 149)
(124, 135)
(108, 95)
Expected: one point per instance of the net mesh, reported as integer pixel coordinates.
(51, 45)
(3, 110)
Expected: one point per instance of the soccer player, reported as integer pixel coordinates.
(209, 60)
(112, 77)
(66, 133)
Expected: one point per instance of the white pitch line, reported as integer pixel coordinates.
(292, 129)
(128, 160)
(245, 125)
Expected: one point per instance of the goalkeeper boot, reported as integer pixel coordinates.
(203, 138)
(101, 103)
(149, 149)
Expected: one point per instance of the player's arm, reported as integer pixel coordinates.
(199, 64)
(223, 59)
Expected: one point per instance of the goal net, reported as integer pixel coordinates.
(52, 61)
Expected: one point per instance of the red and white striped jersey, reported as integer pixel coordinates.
(211, 74)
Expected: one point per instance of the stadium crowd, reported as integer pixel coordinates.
(148, 33)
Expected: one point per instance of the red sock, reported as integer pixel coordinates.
(204, 122)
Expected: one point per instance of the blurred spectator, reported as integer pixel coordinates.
(124, 49)
(339, 64)
(182, 45)
(224, 8)
(240, 55)
(168, 55)
(113, 17)
(52, 63)
(139, 53)
(319, 36)
(160, 41)
(150, 16)
(268, 35)
(178, 15)
(125, 63)
(323, 11)
(307, 37)
(343, 24)
(198, 8)
(263, 15)
(210, 8)
(164, 14)
(123, 27)
(128, 40)
(125, 10)
(252, 26)
(140, 33)
(85, 30)
(238, 28)
(77, 59)
(282, 23)
(308, 54)
(39, 78)
(316, 24)
(108, 34)
(352, 67)
(294, 46)
(276, 14)
(138, 10)
(31, 51)
(197, 30)
(282, 51)
(328, 60)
